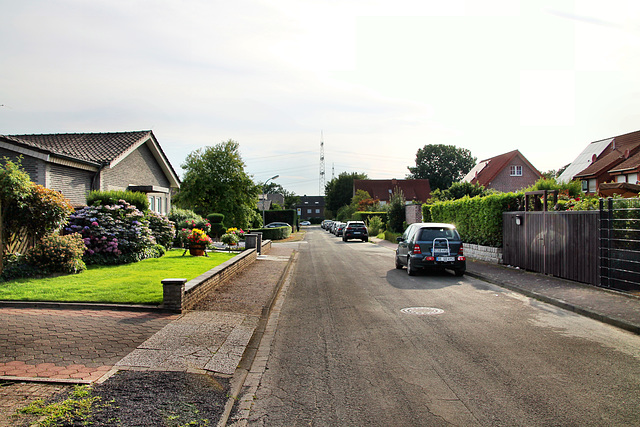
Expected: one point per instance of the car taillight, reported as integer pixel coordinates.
(460, 251)
(430, 258)
(416, 249)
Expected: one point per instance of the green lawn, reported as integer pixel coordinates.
(136, 283)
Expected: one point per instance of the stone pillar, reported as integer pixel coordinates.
(251, 241)
(259, 242)
(173, 293)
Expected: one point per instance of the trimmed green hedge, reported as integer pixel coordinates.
(278, 233)
(478, 219)
(111, 197)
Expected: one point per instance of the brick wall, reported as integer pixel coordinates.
(73, 183)
(483, 253)
(34, 167)
(180, 296)
(138, 168)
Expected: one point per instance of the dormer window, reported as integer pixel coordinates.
(515, 170)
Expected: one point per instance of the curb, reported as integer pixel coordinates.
(84, 306)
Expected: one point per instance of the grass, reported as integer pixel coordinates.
(78, 405)
(136, 283)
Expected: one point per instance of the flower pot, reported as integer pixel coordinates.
(197, 250)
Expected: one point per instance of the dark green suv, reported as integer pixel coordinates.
(430, 245)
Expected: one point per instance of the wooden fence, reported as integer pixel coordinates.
(562, 244)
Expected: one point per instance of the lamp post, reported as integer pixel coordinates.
(264, 194)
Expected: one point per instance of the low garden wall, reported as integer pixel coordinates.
(180, 294)
(483, 253)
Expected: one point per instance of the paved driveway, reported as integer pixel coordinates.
(71, 344)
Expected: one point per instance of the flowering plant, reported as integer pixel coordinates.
(238, 232)
(230, 239)
(198, 237)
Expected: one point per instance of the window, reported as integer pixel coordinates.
(152, 202)
(159, 204)
(317, 211)
(308, 210)
(515, 170)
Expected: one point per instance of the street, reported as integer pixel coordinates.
(361, 343)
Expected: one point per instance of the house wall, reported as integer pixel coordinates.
(73, 183)
(506, 183)
(34, 167)
(139, 168)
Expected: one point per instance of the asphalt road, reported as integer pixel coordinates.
(468, 353)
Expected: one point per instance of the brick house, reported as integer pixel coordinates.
(76, 163)
(414, 190)
(507, 173)
(616, 161)
(310, 207)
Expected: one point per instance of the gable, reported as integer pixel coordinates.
(612, 156)
(498, 167)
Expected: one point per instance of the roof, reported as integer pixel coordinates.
(100, 149)
(311, 200)
(629, 165)
(584, 159)
(487, 170)
(617, 152)
(381, 189)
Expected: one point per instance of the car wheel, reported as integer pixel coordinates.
(398, 264)
(344, 239)
(366, 239)
(410, 270)
(459, 272)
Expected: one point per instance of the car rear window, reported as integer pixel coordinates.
(428, 234)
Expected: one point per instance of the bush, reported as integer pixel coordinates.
(113, 234)
(215, 218)
(278, 233)
(58, 254)
(16, 267)
(113, 197)
(162, 229)
(366, 216)
(396, 214)
(47, 209)
(478, 219)
(178, 216)
(375, 225)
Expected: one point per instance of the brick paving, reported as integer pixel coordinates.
(71, 344)
(14, 396)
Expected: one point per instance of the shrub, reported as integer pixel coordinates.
(16, 267)
(113, 197)
(178, 215)
(58, 254)
(277, 233)
(375, 225)
(396, 212)
(162, 229)
(113, 234)
(215, 218)
(48, 211)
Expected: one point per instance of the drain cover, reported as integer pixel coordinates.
(422, 311)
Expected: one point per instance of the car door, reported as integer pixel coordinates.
(403, 243)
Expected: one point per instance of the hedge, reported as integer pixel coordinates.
(277, 233)
(113, 197)
(290, 216)
(478, 219)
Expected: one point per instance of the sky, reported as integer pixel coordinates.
(373, 80)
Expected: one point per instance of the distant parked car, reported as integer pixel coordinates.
(430, 245)
(339, 229)
(305, 223)
(355, 230)
(277, 224)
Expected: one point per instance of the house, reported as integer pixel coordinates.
(310, 207)
(414, 190)
(266, 200)
(76, 163)
(507, 173)
(612, 161)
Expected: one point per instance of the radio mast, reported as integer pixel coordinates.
(321, 182)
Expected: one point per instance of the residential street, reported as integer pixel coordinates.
(465, 353)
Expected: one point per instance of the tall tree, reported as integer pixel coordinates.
(339, 191)
(442, 165)
(215, 181)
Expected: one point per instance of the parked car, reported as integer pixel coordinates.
(277, 224)
(325, 223)
(339, 229)
(430, 245)
(355, 230)
(332, 229)
(305, 223)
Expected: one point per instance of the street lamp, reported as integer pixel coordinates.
(264, 194)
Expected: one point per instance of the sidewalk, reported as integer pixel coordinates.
(615, 308)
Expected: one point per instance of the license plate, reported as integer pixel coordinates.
(446, 258)
(356, 232)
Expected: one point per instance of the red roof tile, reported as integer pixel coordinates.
(613, 156)
(413, 189)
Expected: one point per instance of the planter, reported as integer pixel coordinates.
(197, 250)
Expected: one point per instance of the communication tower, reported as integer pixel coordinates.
(321, 183)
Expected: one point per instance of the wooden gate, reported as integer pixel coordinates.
(562, 244)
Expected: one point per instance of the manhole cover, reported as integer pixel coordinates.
(422, 311)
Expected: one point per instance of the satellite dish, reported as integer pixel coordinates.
(594, 158)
